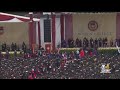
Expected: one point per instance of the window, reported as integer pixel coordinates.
(47, 30)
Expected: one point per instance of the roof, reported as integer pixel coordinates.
(11, 16)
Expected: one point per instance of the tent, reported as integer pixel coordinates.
(32, 22)
(5, 17)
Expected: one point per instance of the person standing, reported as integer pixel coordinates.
(77, 54)
(96, 43)
(82, 53)
(84, 42)
(64, 44)
(106, 42)
(69, 42)
(91, 43)
(100, 42)
(77, 42)
(111, 43)
(24, 47)
(12, 46)
(4, 47)
(87, 43)
(103, 42)
(15, 46)
(7, 54)
(80, 43)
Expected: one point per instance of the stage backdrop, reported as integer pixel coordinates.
(94, 25)
(14, 32)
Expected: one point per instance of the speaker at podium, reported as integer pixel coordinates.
(48, 48)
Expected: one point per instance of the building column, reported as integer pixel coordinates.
(118, 25)
(39, 36)
(62, 27)
(30, 30)
(68, 27)
(53, 31)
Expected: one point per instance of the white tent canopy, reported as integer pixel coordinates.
(15, 19)
(12, 20)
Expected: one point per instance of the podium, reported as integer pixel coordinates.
(48, 48)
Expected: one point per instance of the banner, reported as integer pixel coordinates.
(94, 25)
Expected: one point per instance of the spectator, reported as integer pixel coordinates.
(77, 54)
(80, 43)
(100, 42)
(111, 43)
(91, 43)
(15, 46)
(56, 66)
(69, 42)
(106, 42)
(12, 47)
(24, 47)
(96, 43)
(77, 42)
(72, 43)
(4, 47)
(82, 53)
(64, 44)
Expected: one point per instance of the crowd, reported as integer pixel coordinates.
(13, 47)
(81, 64)
(98, 42)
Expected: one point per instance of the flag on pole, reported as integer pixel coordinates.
(117, 48)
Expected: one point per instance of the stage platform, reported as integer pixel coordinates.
(67, 49)
(12, 52)
(101, 48)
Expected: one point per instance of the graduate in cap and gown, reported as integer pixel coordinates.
(82, 53)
